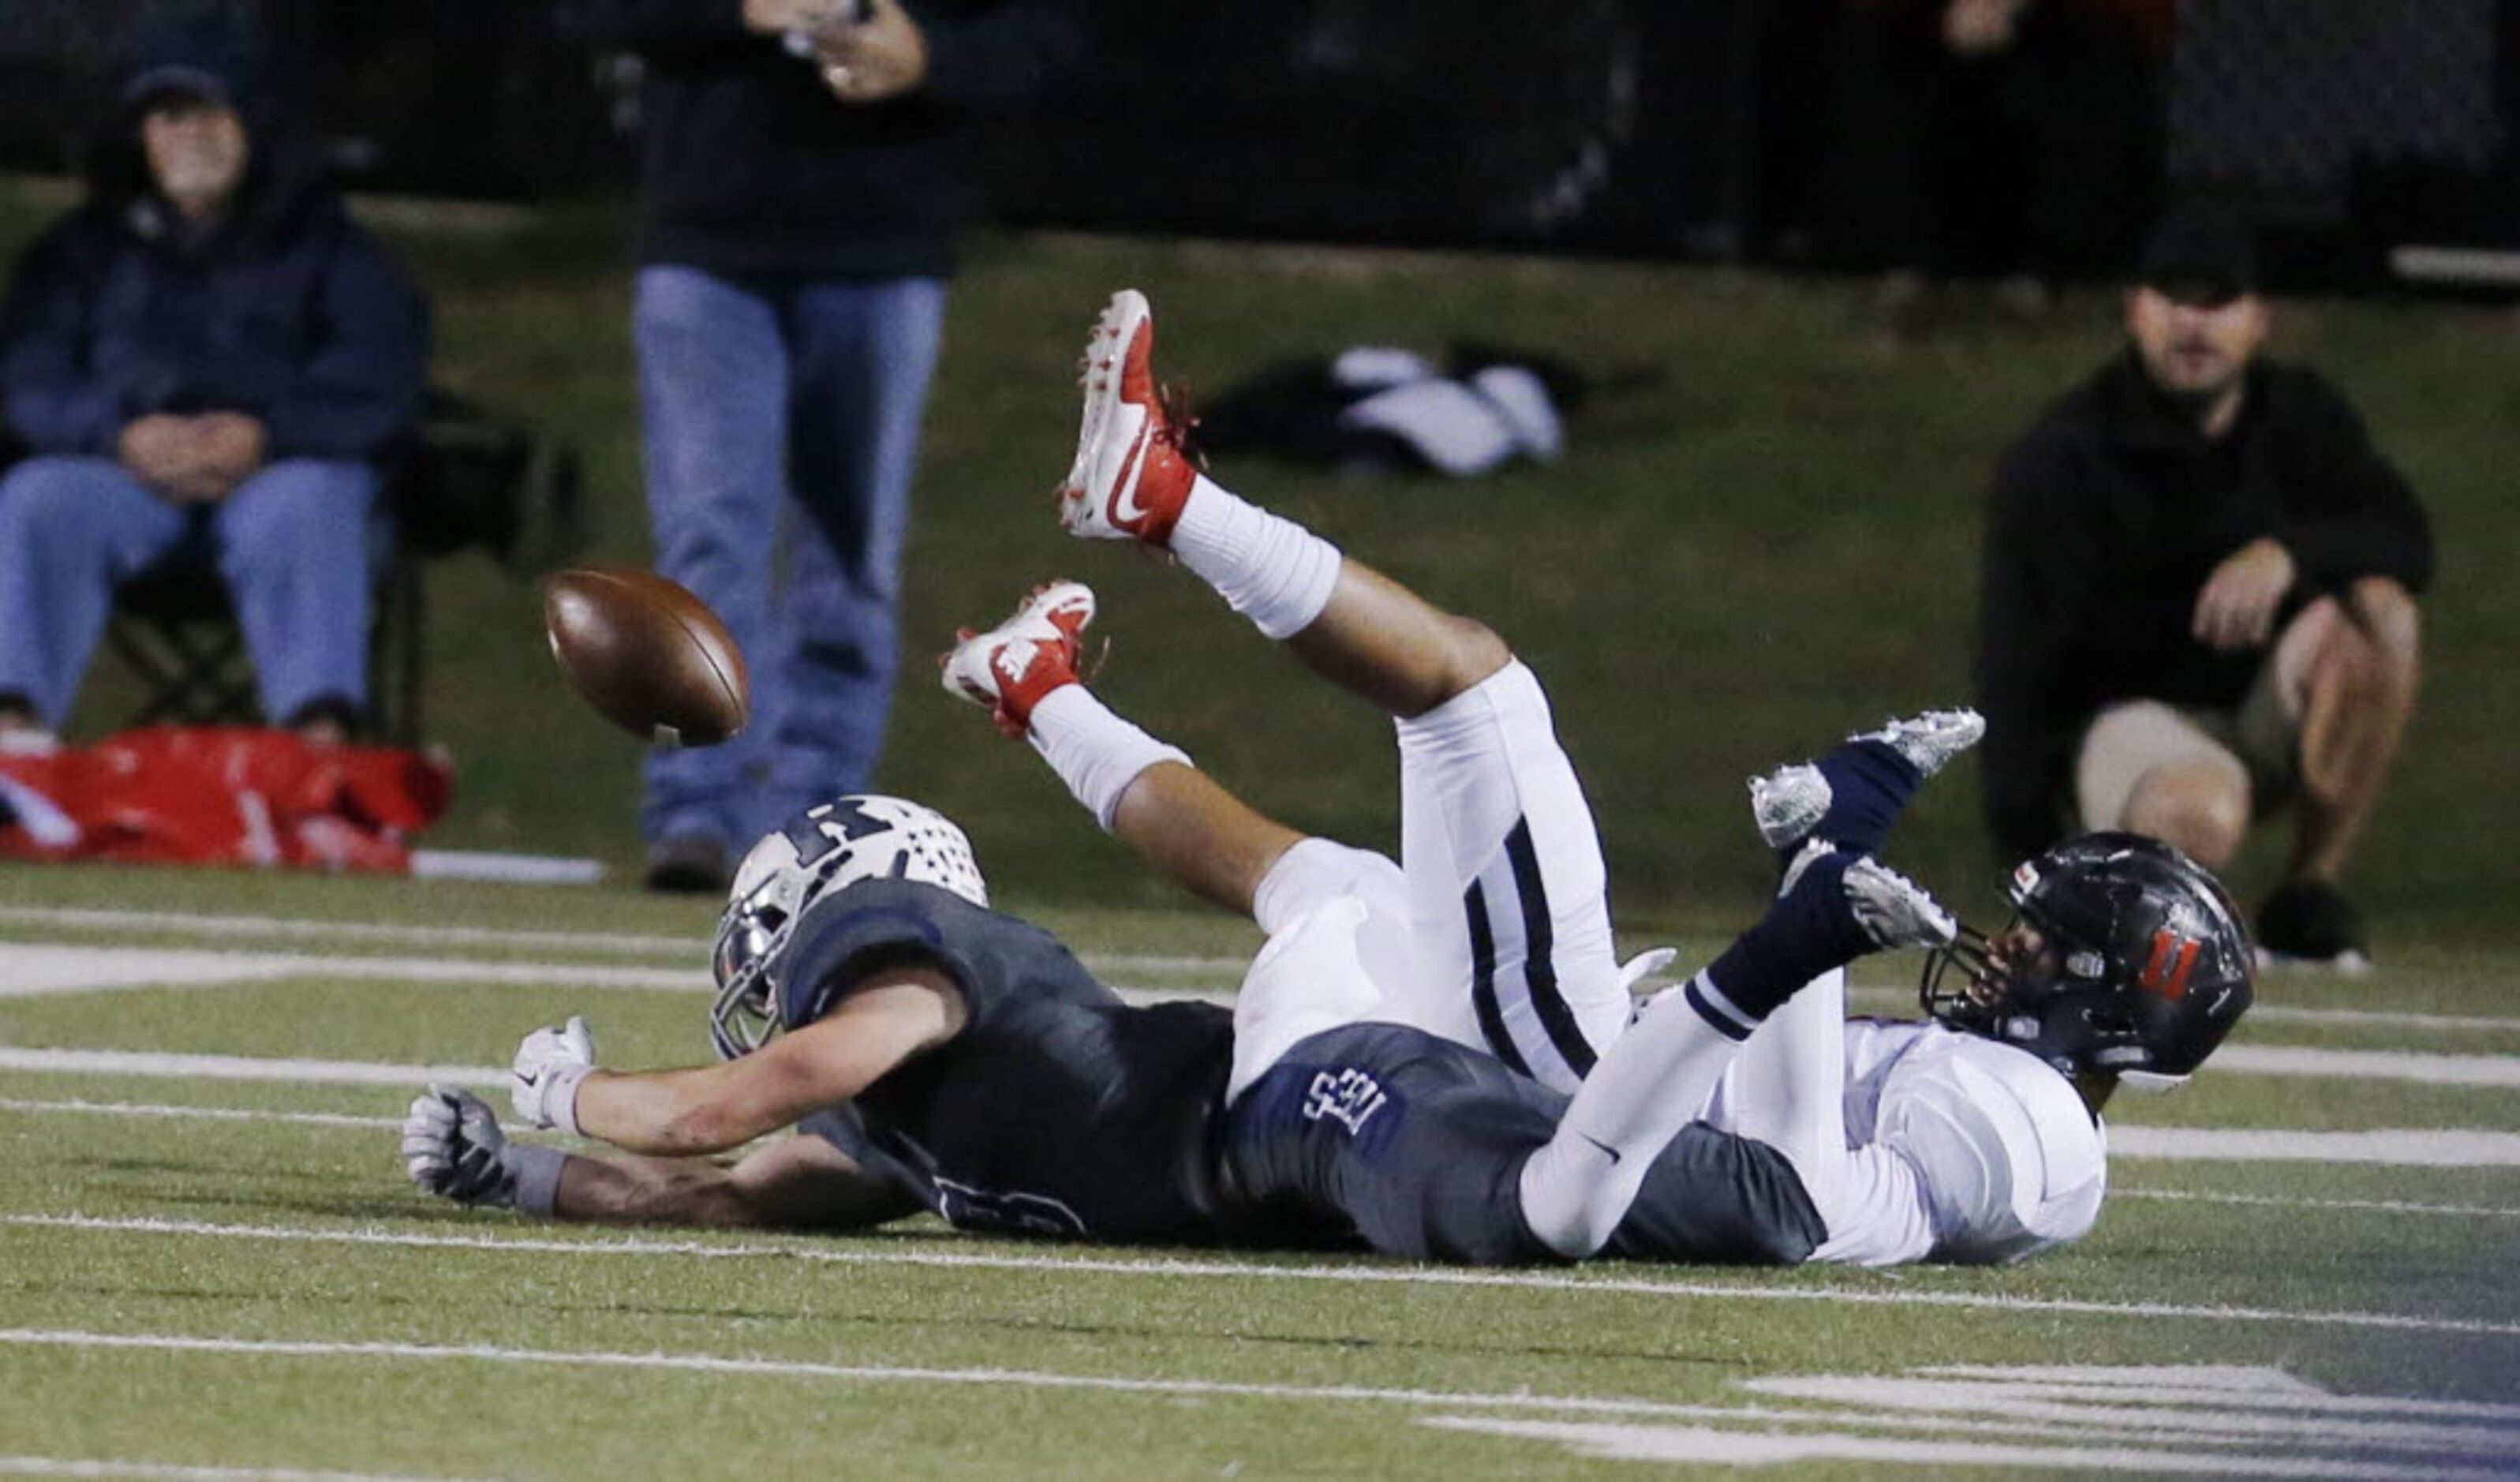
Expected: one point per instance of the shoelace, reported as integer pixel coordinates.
(1180, 423)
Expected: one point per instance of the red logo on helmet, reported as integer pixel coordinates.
(2174, 958)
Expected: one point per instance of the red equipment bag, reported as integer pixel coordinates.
(222, 795)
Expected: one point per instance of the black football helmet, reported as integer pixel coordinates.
(2142, 967)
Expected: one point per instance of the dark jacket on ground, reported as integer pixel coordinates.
(2107, 517)
(747, 164)
(287, 310)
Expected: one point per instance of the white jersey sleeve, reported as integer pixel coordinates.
(1961, 1150)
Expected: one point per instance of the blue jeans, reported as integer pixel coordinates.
(292, 543)
(781, 420)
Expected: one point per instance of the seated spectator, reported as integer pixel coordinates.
(2200, 598)
(208, 361)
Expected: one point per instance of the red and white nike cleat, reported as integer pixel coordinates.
(1009, 667)
(1132, 475)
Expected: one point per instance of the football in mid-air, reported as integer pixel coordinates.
(647, 654)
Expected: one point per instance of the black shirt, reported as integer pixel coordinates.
(2106, 518)
(748, 165)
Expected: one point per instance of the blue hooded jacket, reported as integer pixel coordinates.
(286, 310)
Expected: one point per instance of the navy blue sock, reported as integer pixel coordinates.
(1807, 930)
(1869, 785)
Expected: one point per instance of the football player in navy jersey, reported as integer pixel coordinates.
(1380, 1078)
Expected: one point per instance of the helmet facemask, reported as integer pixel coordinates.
(2054, 1000)
(2126, 959)
(750, 934)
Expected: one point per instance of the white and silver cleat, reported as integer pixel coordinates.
(1931, 740)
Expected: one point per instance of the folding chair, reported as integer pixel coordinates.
(474, 479)
(175, 629)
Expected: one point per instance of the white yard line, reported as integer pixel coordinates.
(164, 1112)
(236, 1067)
(2496, 1070)
(197, 1113)
(40, 971)
(91, 1466)
(2278, 1202)
(1362, 1273)
(691, 948)
(2287, 1013)
(1708, 1446)
(2401, 1146)
(176, 922)
(37, 969)
(1902, 1002)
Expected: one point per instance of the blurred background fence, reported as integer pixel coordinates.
(1734, 129)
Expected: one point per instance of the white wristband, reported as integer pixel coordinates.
(559, 1100)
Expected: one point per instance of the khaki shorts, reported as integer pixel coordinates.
(2258, 742)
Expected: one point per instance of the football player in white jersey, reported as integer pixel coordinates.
(1973, 1138)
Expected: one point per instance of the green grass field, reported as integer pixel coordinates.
(213, 1266)
(210, 1263)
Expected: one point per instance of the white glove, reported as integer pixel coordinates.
(543, 1082)
(1645, 964)
(452, 1145)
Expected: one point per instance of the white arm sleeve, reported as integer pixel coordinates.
(1808, 1083)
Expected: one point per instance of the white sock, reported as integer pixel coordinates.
(1646, 1088)
(1266, 567)
(1095, 752)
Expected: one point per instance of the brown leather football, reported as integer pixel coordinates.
(647, 655)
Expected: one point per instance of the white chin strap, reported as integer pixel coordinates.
(2150, 1082)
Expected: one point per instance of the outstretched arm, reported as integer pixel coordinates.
(798, 1183)
(881, 1020)
(455, 1148)
(714, 1108)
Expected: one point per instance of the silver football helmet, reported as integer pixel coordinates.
(825, 848)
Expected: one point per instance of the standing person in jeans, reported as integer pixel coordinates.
(2199, 599)
(209, 360)
(803, 166)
